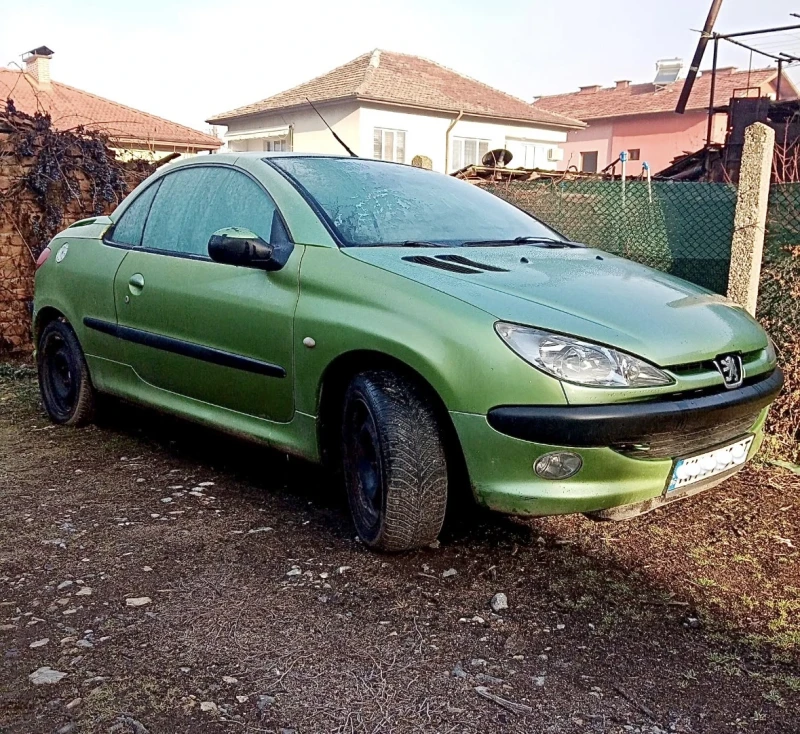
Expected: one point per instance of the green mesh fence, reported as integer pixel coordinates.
(683, 228)
(779, 311)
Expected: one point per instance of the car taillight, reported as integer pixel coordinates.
(43, 257)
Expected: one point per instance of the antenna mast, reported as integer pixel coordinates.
(338, 139)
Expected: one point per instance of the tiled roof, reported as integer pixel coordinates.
(384, 76)
(70, 107)
(640, 99)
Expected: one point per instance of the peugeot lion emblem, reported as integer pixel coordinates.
(730, 367)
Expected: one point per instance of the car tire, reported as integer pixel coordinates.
(393, 461)
(64, 381)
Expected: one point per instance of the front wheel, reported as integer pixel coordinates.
(64, 381)
(394, 462)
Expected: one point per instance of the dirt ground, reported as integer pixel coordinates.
(186, 582)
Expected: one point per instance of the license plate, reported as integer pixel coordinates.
(697, 468)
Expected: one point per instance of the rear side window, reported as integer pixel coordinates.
(129, 229)
(193, 203)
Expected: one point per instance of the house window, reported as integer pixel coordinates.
(468, 152)
(589, 161)
(390, 145)
(633, 154)
(277, 145)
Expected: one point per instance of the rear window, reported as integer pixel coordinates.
(129, 229)
(369, 202)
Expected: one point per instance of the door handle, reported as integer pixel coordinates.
(136, 283)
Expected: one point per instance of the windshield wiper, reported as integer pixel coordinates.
(528, 240)
(406, 243)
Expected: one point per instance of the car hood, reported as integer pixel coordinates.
(586, 293)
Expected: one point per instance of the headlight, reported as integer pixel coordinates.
(572, 360)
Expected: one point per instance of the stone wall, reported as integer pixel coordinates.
(48, 180)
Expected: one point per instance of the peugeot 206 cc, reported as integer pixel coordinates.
(408, 328)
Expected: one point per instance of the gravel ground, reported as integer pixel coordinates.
(156, 577)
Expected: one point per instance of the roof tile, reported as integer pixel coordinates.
(639, 99)
(384, 76)
(69, 107)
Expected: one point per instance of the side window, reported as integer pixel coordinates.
(193, 203)
(129, 229)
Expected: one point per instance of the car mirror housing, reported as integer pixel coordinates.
(240, 246)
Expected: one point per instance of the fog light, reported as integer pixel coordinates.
(558, 465)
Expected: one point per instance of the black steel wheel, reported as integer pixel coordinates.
(393, 461)
(64, 381)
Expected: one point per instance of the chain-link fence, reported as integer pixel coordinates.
(779, 311)
(683, 228)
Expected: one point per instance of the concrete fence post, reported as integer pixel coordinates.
(749, 223)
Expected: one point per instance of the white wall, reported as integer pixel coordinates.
(309, 132)
(425, 131)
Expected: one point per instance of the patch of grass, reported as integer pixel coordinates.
(705, 582)
(699, 555)
(728, 663)
(16, 371)
(773, 696)
(792, 682)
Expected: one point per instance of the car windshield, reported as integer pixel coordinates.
(372, 203)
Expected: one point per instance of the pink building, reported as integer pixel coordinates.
(641, 118)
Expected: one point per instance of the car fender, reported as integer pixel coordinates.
(347, 306)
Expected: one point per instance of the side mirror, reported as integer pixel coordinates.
(239, 246)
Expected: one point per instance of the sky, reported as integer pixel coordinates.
(187, 60)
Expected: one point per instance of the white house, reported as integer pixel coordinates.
(394, 106)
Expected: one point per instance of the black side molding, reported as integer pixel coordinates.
(185, 349)
(622, 423)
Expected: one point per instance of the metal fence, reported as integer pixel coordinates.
(683, 228)
(783, 219)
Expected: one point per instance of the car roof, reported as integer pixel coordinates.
(229, 158)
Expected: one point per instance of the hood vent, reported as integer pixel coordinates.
(454, 264)
(461, 260)
(441, 264)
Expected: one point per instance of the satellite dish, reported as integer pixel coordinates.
(497, 157)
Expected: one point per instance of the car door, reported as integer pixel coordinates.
(217, 333)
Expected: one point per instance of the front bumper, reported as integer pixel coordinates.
(628, 449)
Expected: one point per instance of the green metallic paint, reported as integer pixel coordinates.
(608, 300)
(243, 311)
(347, 306)
(370, 301)
(297, 437)
(501, 472)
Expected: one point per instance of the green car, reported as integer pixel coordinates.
(408, 329)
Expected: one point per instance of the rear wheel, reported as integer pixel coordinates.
(64, 381)
(393, 461)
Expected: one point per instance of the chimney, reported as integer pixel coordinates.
(623, 84)
(37, 65)
(591, 89)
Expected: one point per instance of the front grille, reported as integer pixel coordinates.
(694, 368)
(672, 444)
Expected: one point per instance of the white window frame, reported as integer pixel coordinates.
(277, 145)
(386, 137)
(458, 153)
